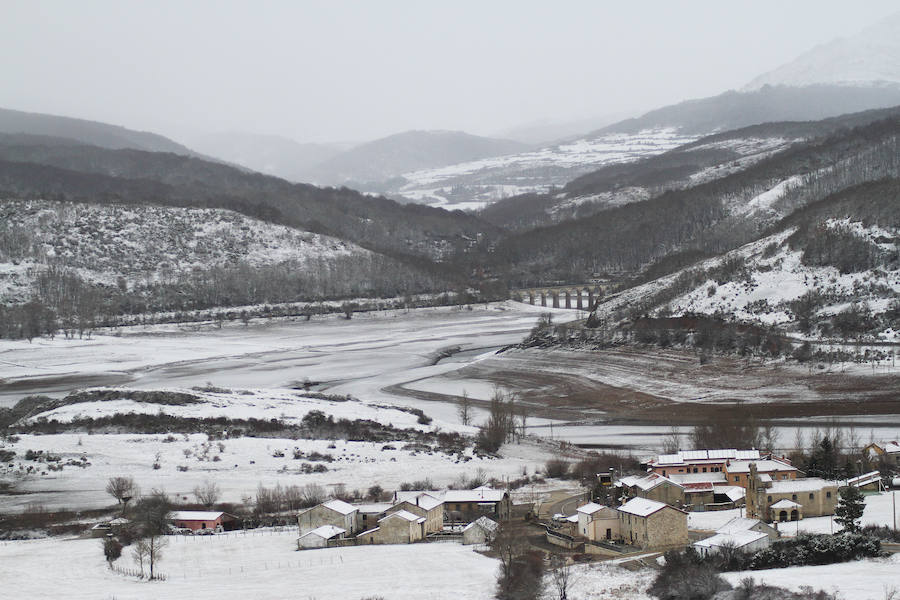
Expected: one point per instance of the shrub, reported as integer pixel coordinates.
(556, 468)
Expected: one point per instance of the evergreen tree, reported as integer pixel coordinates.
(849, 509)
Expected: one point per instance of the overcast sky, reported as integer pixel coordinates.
(334, 70)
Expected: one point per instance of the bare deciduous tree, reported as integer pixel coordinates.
(464, 409)
(208, 493)
(122, 489)
(561, 577)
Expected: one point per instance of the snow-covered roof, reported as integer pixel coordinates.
(589, 508)
(485, 523)
(641, 507)
(891, 447)
(733, 492)
(762, 466)
(738, 539)
(403, 514)
(120, 521)
(738, 524)
(808, 484)
(194, 515)
(690, 456)
(686, 478)
(864, 479)
(647, 482)
(339, 506)
(480, 494)
(423, 500)
(785, 503)
(325, 532)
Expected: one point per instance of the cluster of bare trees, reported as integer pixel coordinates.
(506, 420)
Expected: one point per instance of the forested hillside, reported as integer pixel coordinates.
(86, 132)
(40, 167)
(88, 264)
(708, 218)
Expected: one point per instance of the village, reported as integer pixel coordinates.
(723, 502)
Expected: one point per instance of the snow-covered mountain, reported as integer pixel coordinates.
(872, 56)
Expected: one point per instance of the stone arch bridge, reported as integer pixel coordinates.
(581, 297)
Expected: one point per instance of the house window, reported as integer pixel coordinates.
(784, 476)
(828, 494)
(770, 498)
(812, 496)
(704, 469)
(794, 497)
(695, 470)
(737, 478)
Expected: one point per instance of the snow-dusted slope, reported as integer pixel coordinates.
(475, 184)
(102, 242)
(774, 276)
(869, 57)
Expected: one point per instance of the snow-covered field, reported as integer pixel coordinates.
(871, 579)
(259, 565)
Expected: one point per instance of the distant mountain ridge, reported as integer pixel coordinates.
(732, 109)
(87, 132)
(270, 154)
(385, 158)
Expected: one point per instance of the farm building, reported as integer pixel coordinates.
(334, 512)
(197, 519)
(320, 536)
(868, 482)
(597, 522)
(467, 505)
(652, 524)
(480, 531)
(401, 527)
(747, 541)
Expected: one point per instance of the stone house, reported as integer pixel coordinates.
(480, 531)
(598, 522)
(423, 505)
(334, 512)
(400, 527)
(655, 487)
(651, 524)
